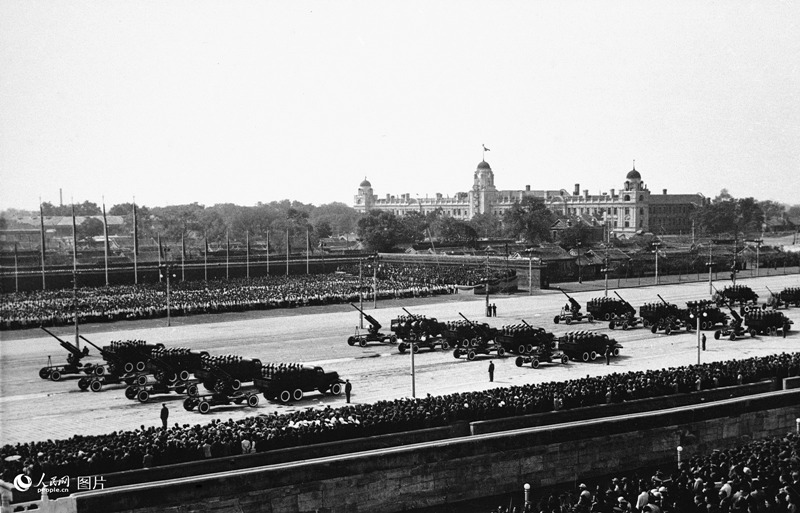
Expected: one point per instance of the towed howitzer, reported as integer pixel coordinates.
(775, 301)
(626, 320)
(73, 365)
(373, 333)
(571, 312)
(735, 329)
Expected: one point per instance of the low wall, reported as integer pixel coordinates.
(433, 473)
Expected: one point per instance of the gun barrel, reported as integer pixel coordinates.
(357, 308)
(526, 324)
(93, 344)
(65, 344)
(462, 315)
(662, 299)
(409, 313)
(562, 291)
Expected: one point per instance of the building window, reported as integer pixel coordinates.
(641, 198)
(641, 211)
(627, 211)
(627, 197)
(627, 224)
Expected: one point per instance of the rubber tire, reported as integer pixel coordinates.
(95, 386)
(351, 341)
(521, 349)
(401, 347)
(362, 342)
(519, 361)
(445, 345)
(585, 356)
(616, 351)
(564, 359)
(717, 334)
(607, 316)
(99, 370)
(501, 351)
(141, 380)
(188, 404)
(192, 390)
(285, 396)
(593, 355)
(611, 325)
(252, 400)
(297, 395)
(625, 326)
(336, 389)
(203, 407)
(667, 330)
(44, 373)
(130, 393)
(128, 368)
(733, 336)
(457, 352)
(567, 321)
(555, 320)
(236, 385)
(753, 333)
(535, 363)
(83, 384)
(654, 329)
(55, 375)
(142, 396)
(184, 375)
(140, 366)
(471, 355)
(415, 348)
(393, 339)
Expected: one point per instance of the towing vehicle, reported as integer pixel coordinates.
(666, 317)
(416, 331)
(522, 338)
(586, 345)
(627, 319)
(483, 344)
(741, 294)
(286, 382)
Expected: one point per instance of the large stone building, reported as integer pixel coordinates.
(631, 209)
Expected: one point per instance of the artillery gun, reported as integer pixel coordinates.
(175, 367)
(709, 313)
(775, 301)
(126, 363)
(627, 319)
(666, 317)
(542, 350)
(417, 331)
(735, 329)
(73, 365)
(741, 294)
(204, 402)
(587, 345)
(571, 312)
(523, 338)
(483, 343)
(373, 333)
(286, 382)
(766, 322)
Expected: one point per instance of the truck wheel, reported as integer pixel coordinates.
(654, 329)
(128, 367)
(535, 363)
(555, 319)
(184, 375)
(55, 375)
(593, 356)
(141, 380)
(590, 318)
(415, 348)
(285, 396)
(143, 396)
(140, 366)
(362, 342)
(564, 359)
(717, 334)
(519, 361)
(192, 390)
(568, 320)
(529, 349)
(501, 351)
(130, 393)
(99, 370)
(351, 341)
(401, 347)
(733, 336)
(456, 353)
(336, 388)
(236, 384)
(611, 325)
(646, 323)
(752, 333)
(667, 330)
(625, 326)
(203, 407)
(252, 400)
(445, 345)
(180, 389)
(521, 349)
(607, 316)
(585, 356)
(188, 404)
(297, 395)
(616, 351)
(95, 385)
(471, 355)
(393, 339)
(83, 383)
(44, 373)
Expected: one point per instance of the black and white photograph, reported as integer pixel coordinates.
(379, 256)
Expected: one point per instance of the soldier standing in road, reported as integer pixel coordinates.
(491, 371)
(703, 340)
(608, 354)
(348, 387)
(494, 310)
(164, 414)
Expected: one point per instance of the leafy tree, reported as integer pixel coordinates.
(772, 209)
(415, 225)
(454, 230)
(380, 230)
(341, 218)
(529, 219)
(90, 227)
(87, 208)
(730, 216)
(486, 225)
(322, 229)
(577, 233)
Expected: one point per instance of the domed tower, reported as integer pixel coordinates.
(483, 189)
(365, 199)
(636, 198)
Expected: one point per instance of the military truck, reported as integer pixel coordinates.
(766, 322)
(285, 382)
(710, 314)
(522, 338)
(585, 345)
(416, 331)
(736, 294)
(627, 319)
(666, 317)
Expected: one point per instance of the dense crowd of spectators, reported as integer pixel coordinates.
(762, 476)
(124, 450)
(107, 304)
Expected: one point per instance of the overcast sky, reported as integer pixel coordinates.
(240, 102)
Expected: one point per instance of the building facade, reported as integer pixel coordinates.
(625, 212)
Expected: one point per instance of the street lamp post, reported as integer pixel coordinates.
(710, 265)
(656, 245)
(360, 296)
(680, 450)
(605, 271)
(696, 317)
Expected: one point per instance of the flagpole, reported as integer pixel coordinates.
(287, 252)
(105, 235)
(308, 250)
(16, 270)
(75, 277)
(159, 257)
(267, 252)
(183, 255)
(247, 252)
(227, 255)
(135, 246)
(41, 224)
(205, 257)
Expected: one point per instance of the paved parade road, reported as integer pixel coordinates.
(35, 409)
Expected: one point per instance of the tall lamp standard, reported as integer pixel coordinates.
(697, 319)
(656, 245)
